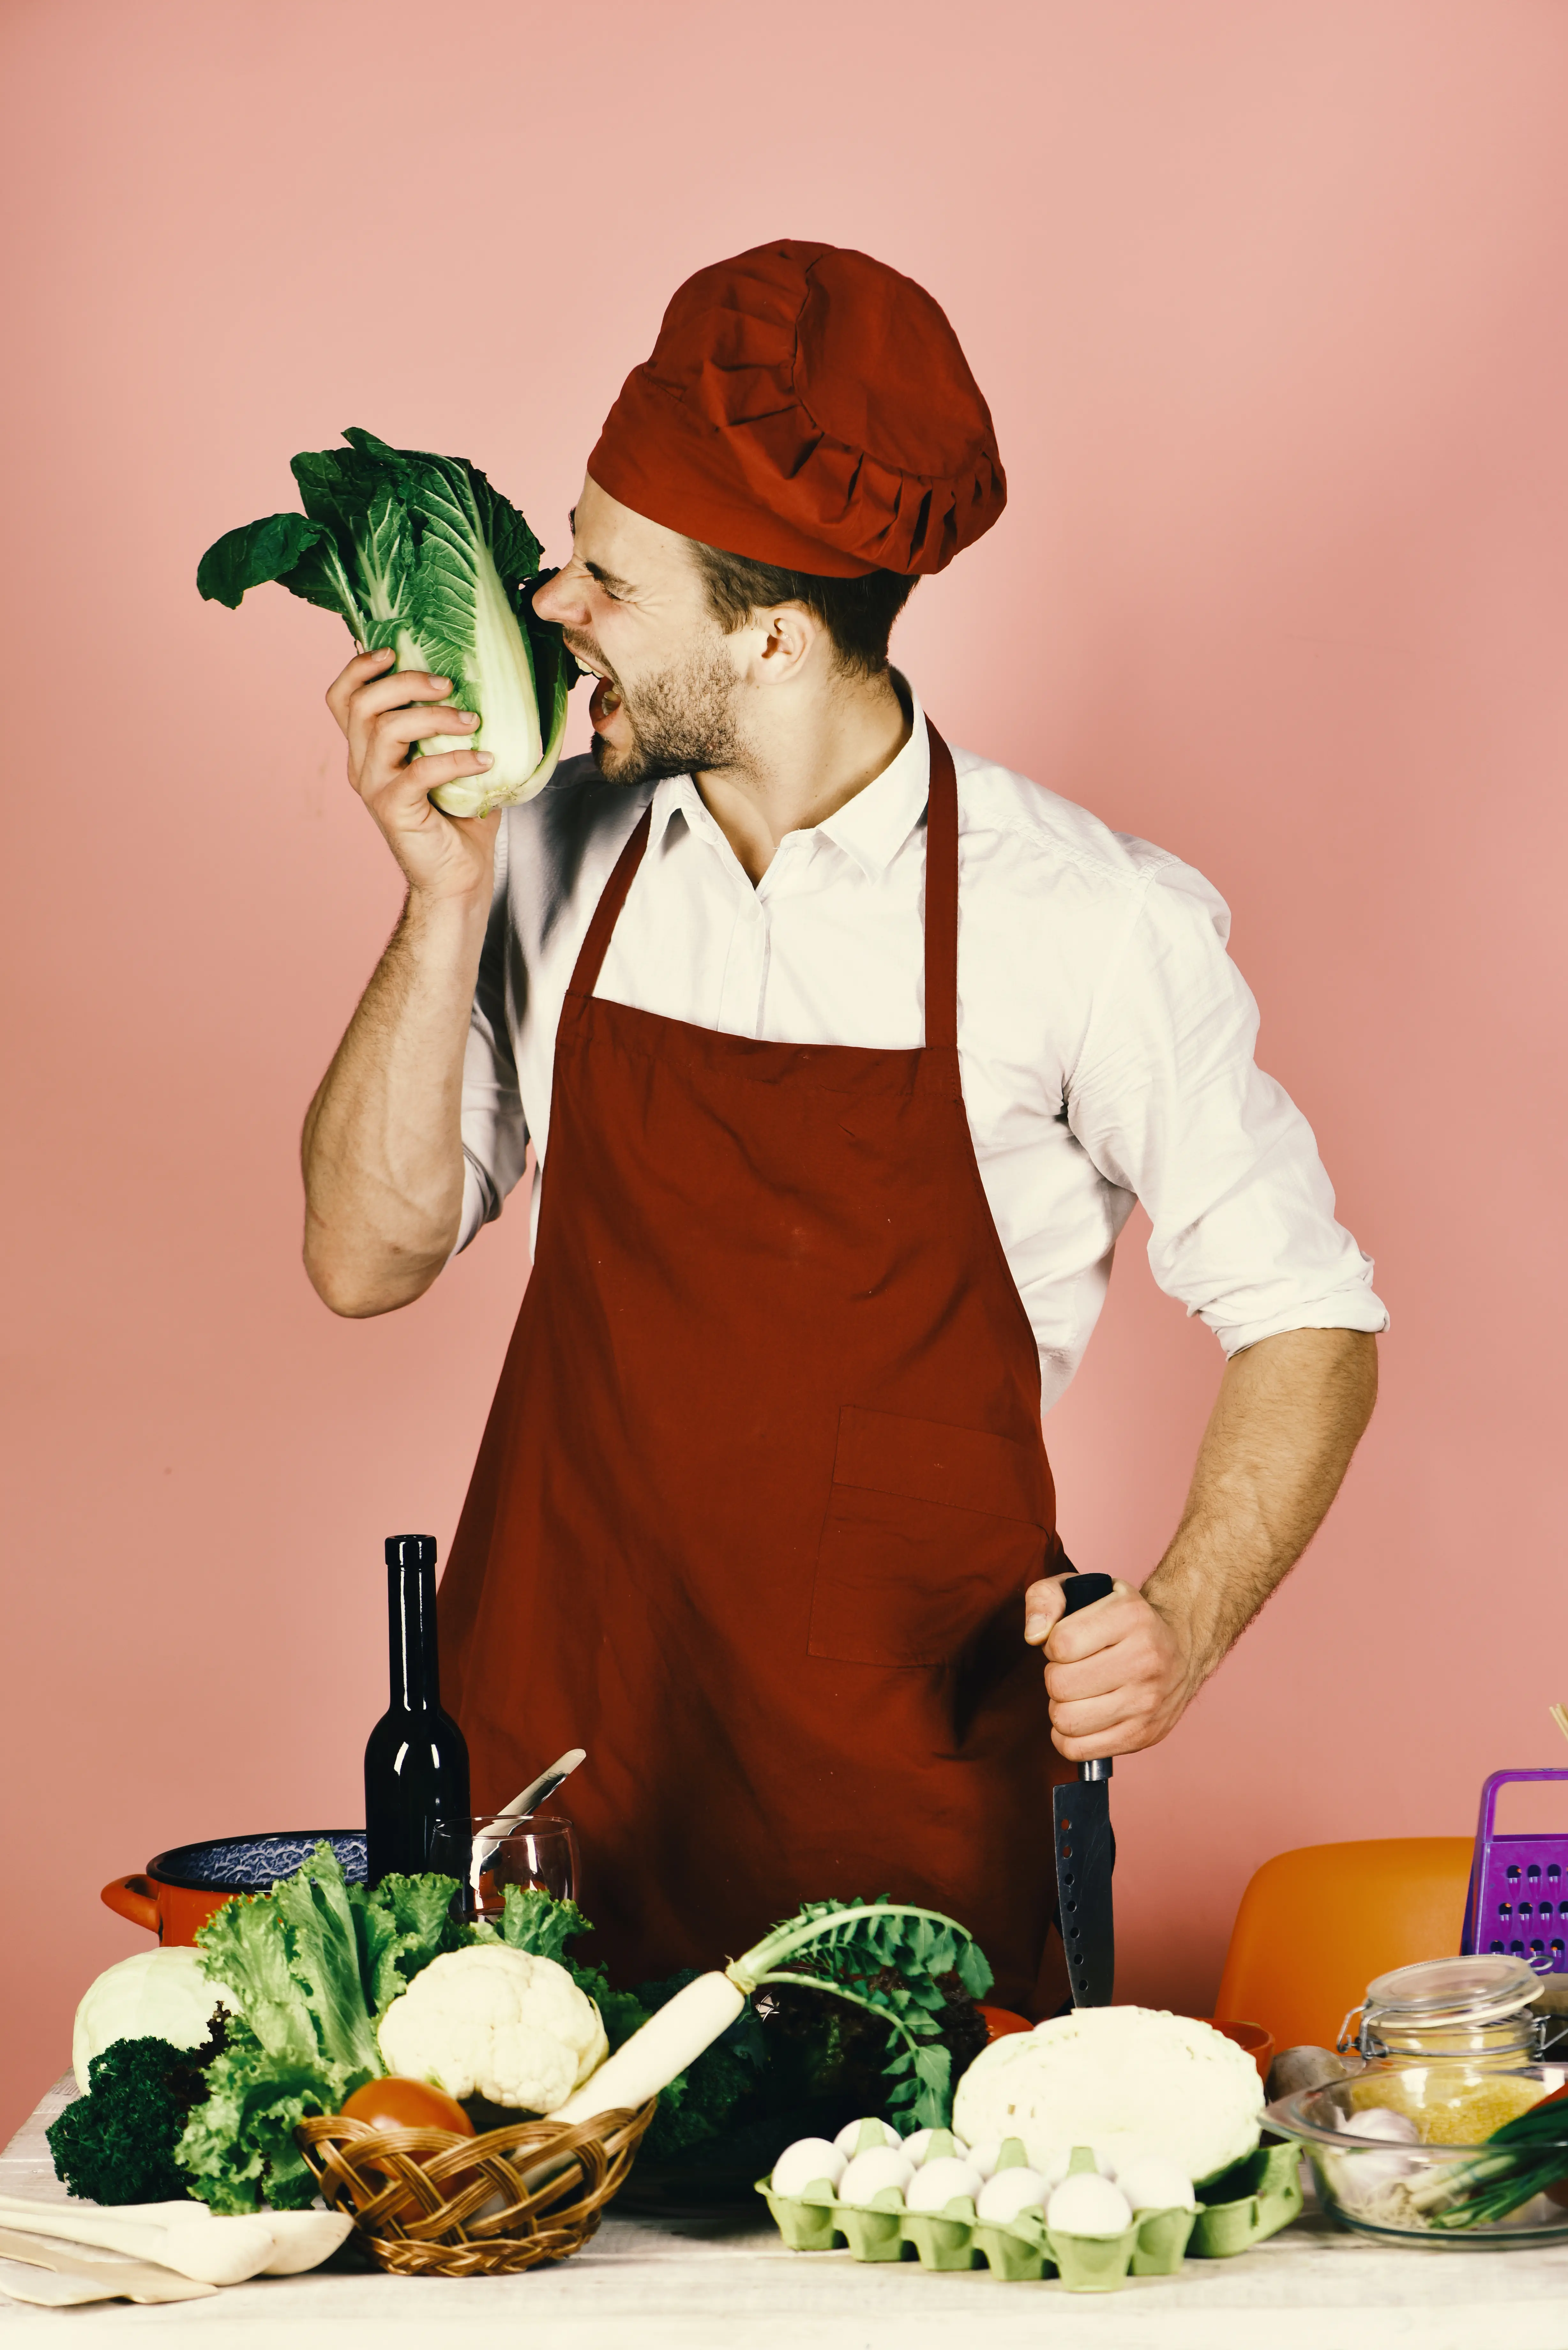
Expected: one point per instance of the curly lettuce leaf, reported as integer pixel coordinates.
(244, 1944)
(324, 1959)
(238, 2149)
(536, 1922)
(292, 1957)
(401, 1925)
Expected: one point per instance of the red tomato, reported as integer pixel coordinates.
(396, 2104)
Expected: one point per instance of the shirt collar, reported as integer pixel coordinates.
(874, 826)
(870, 828)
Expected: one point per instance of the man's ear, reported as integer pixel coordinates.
(787, 637)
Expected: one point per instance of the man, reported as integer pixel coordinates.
(843, 1059)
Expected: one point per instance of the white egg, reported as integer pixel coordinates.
(936, 2183)
(1087, 2205)
(1056, 2164)
(986, 2157)
(808, 2159)
(848, 2137)
(1382, 2121)
(878, 2166)
(917, 2144)
(1009, 2192)
(1152, 2182)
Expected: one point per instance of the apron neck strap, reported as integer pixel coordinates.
(612, 898)
(942, 896)
(942, 901)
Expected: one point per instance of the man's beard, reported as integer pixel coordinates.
(682, 721)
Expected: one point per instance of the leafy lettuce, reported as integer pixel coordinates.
(419, 555)
(315, 1964)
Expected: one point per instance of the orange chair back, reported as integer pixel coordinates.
(1316, 1926)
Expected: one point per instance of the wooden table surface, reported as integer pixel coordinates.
(643, 2284)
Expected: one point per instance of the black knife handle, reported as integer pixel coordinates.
(1082, 1591)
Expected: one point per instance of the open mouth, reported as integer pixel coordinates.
(605, 697)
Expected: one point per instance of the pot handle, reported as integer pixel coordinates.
(133, 1897)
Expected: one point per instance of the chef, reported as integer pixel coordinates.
(844, 1055)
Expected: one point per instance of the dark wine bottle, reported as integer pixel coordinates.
(416, 1758)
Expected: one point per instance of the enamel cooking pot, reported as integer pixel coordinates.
(174, 1895)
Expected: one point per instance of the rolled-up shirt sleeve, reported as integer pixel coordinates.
(1169, 1102)
(494, 1130)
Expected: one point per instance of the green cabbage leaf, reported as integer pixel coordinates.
(421, 556)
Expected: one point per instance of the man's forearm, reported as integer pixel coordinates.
(1290, 1410)
(382, 1148)
(1289, 1414)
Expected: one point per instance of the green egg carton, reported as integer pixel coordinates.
(1016, 2252)
(945, 2238)
(1162, 2241)
(1251, 2201)
(874, 2230)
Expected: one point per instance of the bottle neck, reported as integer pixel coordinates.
(411, 1626)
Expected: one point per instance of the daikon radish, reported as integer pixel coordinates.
(670, 2040)
(887, 1957)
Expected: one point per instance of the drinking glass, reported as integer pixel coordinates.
(538, 1854)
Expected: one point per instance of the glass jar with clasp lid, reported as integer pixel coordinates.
(1475, 2012)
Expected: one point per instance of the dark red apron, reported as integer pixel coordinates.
(763, 1486)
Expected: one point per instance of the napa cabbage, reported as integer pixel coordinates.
(418, 554)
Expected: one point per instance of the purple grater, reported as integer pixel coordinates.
(1517, 1897)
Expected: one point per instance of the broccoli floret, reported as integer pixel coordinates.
(117, 2144)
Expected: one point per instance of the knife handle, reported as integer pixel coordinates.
(1082, 1591)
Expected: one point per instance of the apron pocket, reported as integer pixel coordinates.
(930, 1530)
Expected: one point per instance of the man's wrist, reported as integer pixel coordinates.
(1177, 1594)
(445, 919)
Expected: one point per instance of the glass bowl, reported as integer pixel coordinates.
(1426, 2191)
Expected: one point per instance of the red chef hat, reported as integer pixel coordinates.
(809, 407)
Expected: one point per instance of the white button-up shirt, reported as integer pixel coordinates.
(1104, 1036)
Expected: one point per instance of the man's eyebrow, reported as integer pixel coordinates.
(617, 585)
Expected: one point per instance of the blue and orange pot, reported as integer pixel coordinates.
(174, 1895)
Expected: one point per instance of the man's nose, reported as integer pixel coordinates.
(561, 599)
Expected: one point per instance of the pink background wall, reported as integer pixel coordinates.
(1267, 299)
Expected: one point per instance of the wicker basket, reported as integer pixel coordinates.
(425, 2203)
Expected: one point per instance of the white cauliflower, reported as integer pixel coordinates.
(1128, 2081)
(495, 2022)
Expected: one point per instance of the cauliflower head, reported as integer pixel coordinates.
(495, 2022)
(1124, 2080)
